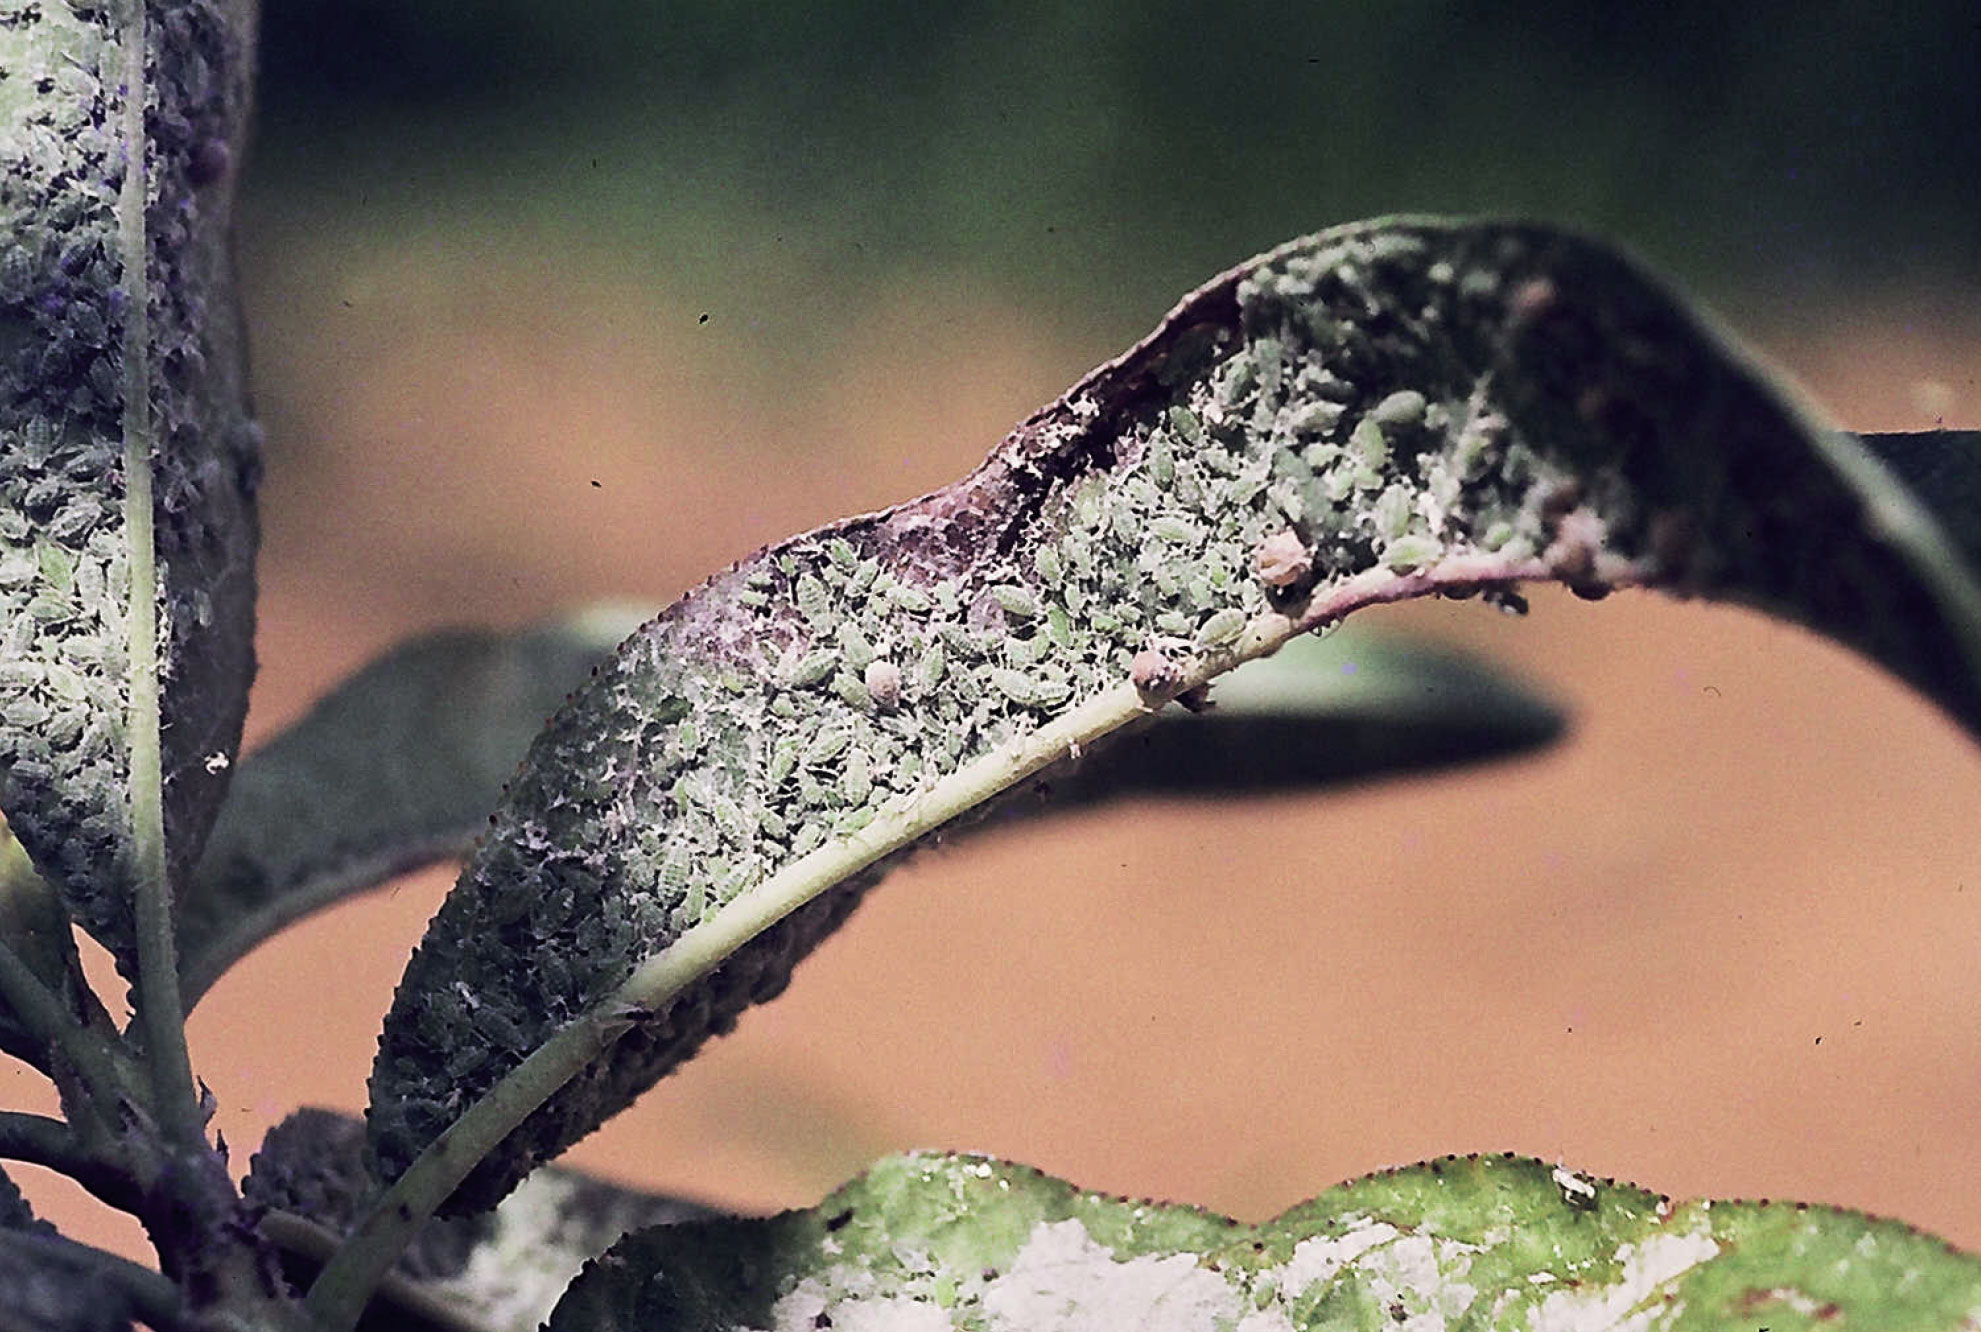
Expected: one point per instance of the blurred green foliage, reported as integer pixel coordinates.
(1112, 153)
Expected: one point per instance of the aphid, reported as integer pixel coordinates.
(731, 819)
(858, 651)
(760, 577)
(812, 793)
(1174, 623)
(1179, 530)
(826, 746)
(1203, 594)
(1236, 381)
(1016, 600)
(1050, 692)
(1220, 629)
(911, 599)
(856, 779)
(814, 602)
(1188, 489)
(852, 821)
(1405, 407)
(1014, 685)
(1188, 427)
(840, 551)
(57, 565)
(958, 641)
(1026, 651)
(1058, 628)
(1244, 490)
(696, 900)
(783, 762)
(883, 682)
(1392, 512)
(1282, 559)
(851, 691)
(814, 668)
(810, 838)
(1368, 443)
(752, 598)
(1412, 552)
(1315, 417)
(1161, 462)
(928, 671)
(675, 867)
(1046, 561)
(864, 576)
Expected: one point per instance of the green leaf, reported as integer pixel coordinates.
(933, 1241)
(396, 767)
(1383, 411)
(120, 339)
(501, 1271)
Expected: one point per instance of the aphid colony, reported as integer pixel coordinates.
(793, 698)
(853, 683)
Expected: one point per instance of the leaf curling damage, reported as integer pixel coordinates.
(1387, 410)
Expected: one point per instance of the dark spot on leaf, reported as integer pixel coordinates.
(839, 1220)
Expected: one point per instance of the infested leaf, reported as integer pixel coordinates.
(396, 767)
(502, 1271)
(931, 1241)
(118, 337)
(1515, 404)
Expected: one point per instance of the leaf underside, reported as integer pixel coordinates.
(67, 368)
(930, 1241)
(1382, 411)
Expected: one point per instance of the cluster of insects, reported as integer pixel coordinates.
(789, 701)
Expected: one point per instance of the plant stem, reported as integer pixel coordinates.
(96, 1061)
(306, 1238)
(145, 1292)
(40, 1140)
(175, 1103)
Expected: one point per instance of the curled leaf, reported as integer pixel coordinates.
(933, 1241)
(120, 337)
(395, 768)
(1382, 411)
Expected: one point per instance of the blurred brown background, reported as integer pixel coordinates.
(1726, 939)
